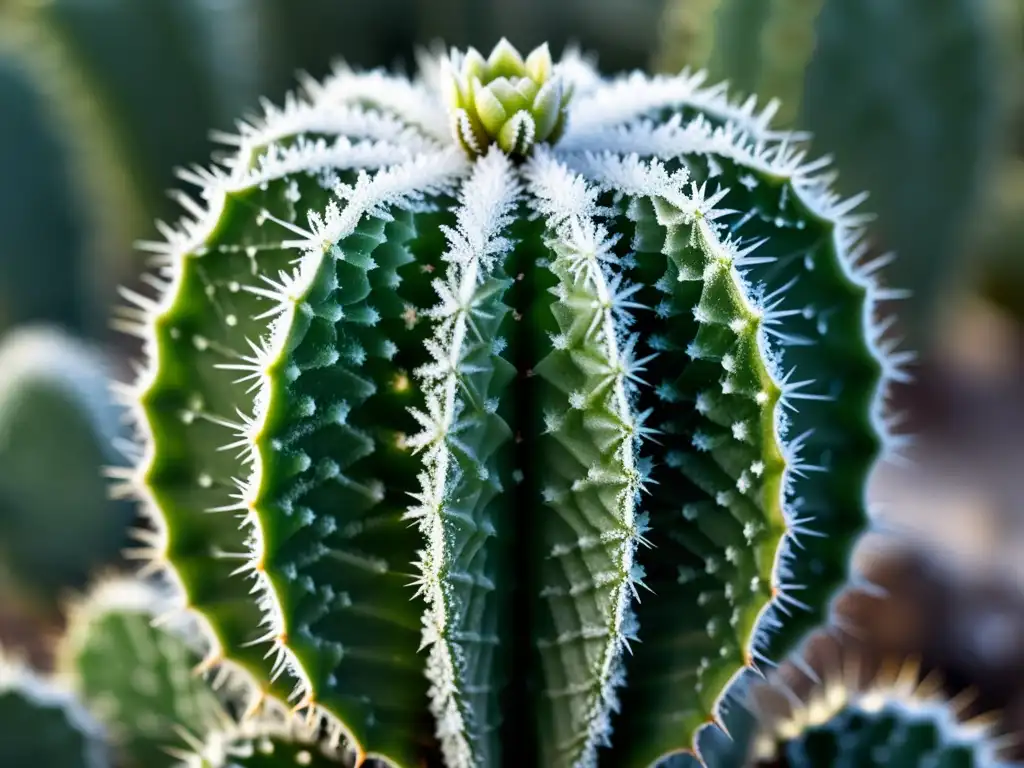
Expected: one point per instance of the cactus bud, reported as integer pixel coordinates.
(504, 100)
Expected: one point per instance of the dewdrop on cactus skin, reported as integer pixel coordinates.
(504, 99)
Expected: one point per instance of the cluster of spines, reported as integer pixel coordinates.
(272, 741)
(763, 150)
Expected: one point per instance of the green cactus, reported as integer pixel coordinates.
(42, 724)
(897, 719)
(627, 387)
(59, 525)
(138, 679)
(905, 96)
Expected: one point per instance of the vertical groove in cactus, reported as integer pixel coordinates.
(56, 411)
(43, 723)
(521, 449)
(136, 678)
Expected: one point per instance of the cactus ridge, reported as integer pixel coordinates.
(585, 367)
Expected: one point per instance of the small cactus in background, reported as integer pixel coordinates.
(58, 423)
(620, 375)
(38, 280)
(896, 719)
(43, 725)
(906, 96)
(267, 742)
(136, 678)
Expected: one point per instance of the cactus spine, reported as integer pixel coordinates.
(619, 375)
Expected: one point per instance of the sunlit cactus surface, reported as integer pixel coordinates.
(505, 415)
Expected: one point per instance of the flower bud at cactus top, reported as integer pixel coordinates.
(505, 99)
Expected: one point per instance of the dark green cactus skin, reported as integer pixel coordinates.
(635, 394)
(138, 679)
(56, 411)
(40, 724)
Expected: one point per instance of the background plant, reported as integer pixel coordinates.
(913, 99)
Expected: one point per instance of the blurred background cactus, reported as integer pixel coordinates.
(58, 427)
(920, 102)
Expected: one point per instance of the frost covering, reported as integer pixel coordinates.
(516, 443)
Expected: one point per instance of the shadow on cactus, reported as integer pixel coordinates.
(486, 448)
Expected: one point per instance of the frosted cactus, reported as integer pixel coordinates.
(435, 433)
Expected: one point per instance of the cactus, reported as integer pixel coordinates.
(57, 424)
(626, 386)
(42, 724)
(897, 719)
(906, 96)
(266, 742)
(136, 678)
